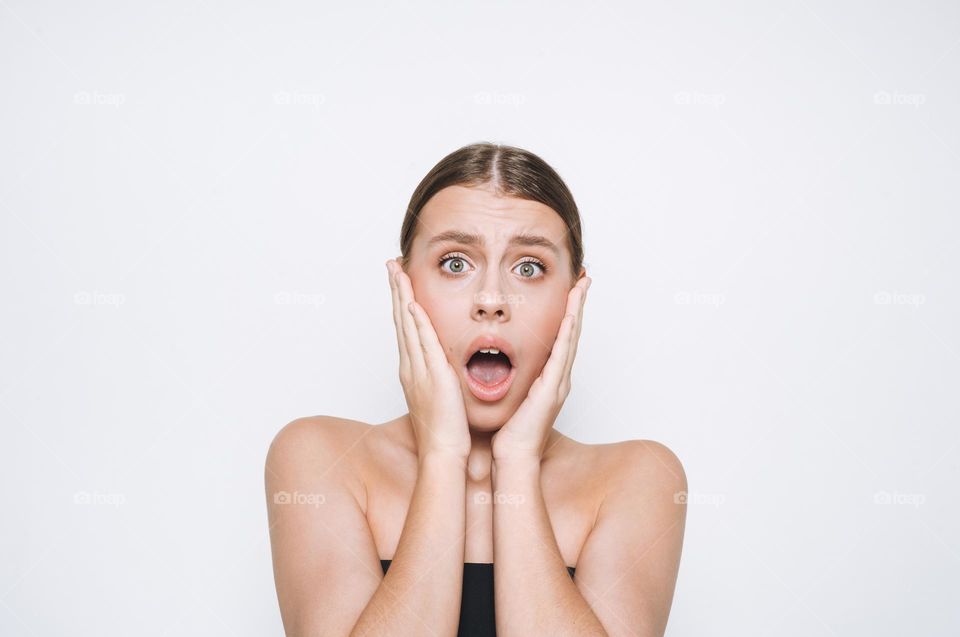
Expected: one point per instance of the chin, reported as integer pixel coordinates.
(488, 417)
(485, 422)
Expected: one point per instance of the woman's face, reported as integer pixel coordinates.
(487, 282)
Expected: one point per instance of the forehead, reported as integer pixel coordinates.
(480, 211)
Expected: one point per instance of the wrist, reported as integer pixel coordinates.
(516, 456)
(518, 463)
(443, 457)
(506, 450)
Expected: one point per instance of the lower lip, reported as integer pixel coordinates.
(490, 393)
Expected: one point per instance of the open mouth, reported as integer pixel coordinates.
(489, 373)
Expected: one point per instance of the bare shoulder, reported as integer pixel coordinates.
(318, 447)
(633, 551)
(319, 534)
(631, 465)
(301, 438)
(317, 429)
(649, 461)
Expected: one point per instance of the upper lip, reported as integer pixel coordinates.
(487, 341)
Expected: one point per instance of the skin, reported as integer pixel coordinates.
(495, 293)
(610, 510)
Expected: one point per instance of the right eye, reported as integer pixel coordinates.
(457, 264)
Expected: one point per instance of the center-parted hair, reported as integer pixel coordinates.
(512, 172)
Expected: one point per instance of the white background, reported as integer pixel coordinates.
(197, 201)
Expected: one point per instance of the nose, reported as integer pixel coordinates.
(490, 303)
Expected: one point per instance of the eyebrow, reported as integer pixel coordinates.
(466, 238)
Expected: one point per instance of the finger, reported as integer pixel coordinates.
(397, 318)
(433, 350)
(552, 372)
(411, 337)
(405, 363)
(561, 346)
(575, 340)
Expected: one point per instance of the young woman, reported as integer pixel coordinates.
(472, 501)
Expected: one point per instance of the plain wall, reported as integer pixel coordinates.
(197, 200)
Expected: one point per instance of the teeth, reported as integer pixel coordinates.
(490, 350)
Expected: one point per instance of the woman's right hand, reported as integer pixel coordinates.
(431, 385)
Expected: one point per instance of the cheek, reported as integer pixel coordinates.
(543, 325)
(448, 319)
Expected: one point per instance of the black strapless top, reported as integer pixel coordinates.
(476, 605)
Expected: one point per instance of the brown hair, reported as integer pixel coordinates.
(513, 172)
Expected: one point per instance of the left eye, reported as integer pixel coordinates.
(457, 264)
(528, 269)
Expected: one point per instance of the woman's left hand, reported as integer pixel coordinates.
(525, 434)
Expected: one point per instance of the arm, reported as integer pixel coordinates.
(421, 592)
(627, 569)
(628, 566)
(328, 574)
(533, 592)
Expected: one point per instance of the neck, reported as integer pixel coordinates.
(481, 455)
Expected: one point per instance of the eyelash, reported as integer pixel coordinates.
(456, 255)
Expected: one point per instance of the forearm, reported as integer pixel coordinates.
(421, 591)
(534, 593)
